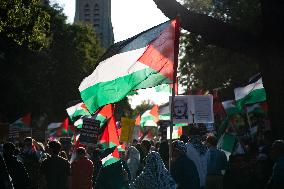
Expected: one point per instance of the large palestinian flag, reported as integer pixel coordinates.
(143, 61)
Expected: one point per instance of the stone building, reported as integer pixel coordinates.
(98, 14)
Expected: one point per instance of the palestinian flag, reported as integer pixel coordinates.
(143, 61)
(230, 107)
(121, 147)
(147, 119)
(258, 108)
(60, 129)
(77, 110)
(79, 123)
(109, 138)
(250, 94)
(111, 158)
(23, 122)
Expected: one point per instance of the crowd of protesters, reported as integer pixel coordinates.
(196, 163)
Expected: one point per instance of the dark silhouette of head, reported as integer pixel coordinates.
(146, 145)
(212, 140)
(28, 142)
(8, 149)
(183, 138)
(277, 149)
(54, 147)
(81, 152)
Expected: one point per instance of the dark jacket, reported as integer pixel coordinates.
(112, 177)
(185, 173)
(5, 181)
(17, 172)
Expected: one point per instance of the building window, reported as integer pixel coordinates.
(96, 17)
(87, 14)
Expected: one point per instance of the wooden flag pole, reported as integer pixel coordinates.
(176, 51)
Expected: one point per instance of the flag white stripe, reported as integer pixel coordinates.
(241, 92)
(228, 104)
(107, 158)
(71, 110)
(114, 67)
(146, 113)
(78, 122)
(53, 125)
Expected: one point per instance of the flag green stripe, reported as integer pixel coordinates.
(113, 91)
(106, 145)
(232, 110)
(101, 118)
(110, 161)
(77, 113)
(254, 96)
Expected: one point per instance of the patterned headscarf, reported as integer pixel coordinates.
(154, 176)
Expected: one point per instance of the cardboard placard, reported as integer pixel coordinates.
(90, 131)
(127, 126)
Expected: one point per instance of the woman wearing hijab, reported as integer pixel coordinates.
(154, 175)
(133, 161)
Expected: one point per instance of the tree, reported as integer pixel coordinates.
(122, 109)
(265, 47)
(207, 66)
(42, 81)
(24, 23)
(140, 109)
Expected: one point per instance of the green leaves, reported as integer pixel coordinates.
(205, 66)
(24, 22)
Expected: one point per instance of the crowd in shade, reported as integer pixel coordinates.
(196, 163)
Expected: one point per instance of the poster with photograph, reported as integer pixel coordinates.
(192, 109)
(181, 109)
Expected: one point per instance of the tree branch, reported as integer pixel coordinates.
(213, 31)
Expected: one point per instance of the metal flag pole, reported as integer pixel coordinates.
(176, 50)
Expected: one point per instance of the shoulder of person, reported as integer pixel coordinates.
(63, 159)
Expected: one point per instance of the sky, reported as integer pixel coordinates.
(129, 17)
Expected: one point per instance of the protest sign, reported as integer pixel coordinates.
(193, 109)
(90, 131)
(127, 126)
(202, 108)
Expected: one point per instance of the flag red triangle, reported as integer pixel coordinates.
(26, 119)
(109, 136)
(106, 111)
(137, 120)
(155, 112)
(161, 52)
(65, 124)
